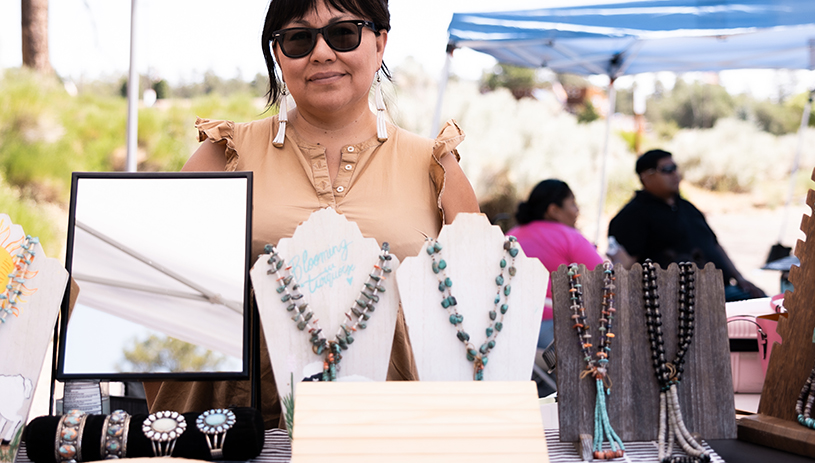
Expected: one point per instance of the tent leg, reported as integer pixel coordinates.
(612, 104)
(795, 163)
(445, 76)
(132, 96)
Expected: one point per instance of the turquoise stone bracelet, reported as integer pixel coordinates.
(355, 318)
(479, 356)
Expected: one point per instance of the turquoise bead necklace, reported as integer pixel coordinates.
(598, 368)
(17, 278)
(479, 356)
(355, 318)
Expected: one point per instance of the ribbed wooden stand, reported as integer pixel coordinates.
(705, 393)
(792, 361)
(429, 421)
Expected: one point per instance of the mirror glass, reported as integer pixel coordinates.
(161, 261)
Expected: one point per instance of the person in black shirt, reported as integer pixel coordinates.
(660, 225)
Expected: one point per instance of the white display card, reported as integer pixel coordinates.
(25, 335)
(472, 249)
(331, 261)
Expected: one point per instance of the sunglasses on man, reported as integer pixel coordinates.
(341, 36)
(667, 170)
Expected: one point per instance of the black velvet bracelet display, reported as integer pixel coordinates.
(243, 442)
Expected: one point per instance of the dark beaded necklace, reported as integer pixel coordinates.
(803, 406)
(598, 368)
(479, 356)
(670, 374)
(356, 317)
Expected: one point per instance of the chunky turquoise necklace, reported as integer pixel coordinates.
(479, 356)
(355, 318)
(598, 368)
(17, 278)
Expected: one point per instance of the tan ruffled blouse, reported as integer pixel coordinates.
(391, 189)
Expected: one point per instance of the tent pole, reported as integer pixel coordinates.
(612, 101)
(132, 96)
(445, 76)
(795, 162)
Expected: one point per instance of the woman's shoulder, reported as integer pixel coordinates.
(449, 137)
(217, 129)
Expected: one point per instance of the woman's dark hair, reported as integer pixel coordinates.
(282, 12)
(551, 191)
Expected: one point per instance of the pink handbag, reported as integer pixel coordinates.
(748, 367)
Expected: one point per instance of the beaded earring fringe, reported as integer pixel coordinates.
(381, 126)
(283, 118)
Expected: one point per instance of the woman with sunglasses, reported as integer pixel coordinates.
(330, 150)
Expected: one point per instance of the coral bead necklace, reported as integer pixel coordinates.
(597, 367)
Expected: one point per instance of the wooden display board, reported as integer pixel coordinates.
(472, 248)
(464, 421)
(791, 361)
(706, 390)
(25, 338)
(331, 261)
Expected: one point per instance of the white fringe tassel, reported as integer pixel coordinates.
(282, 117)
(381, 126)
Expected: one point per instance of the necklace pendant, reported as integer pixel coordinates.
(478, 368)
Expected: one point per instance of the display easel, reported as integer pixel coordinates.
(791, 362)
(331, 261)
(705, 393)
(25, 337)
(472, 248)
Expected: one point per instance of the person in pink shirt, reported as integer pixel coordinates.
(546, 230)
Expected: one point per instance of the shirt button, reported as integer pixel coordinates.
(348, 167)
(350, 149)
(340, 189)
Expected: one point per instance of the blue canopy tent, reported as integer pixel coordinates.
(644, 36)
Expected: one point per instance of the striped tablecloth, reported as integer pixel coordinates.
(277, 449)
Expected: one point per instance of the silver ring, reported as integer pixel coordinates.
(214, 424)
(68, 442)
(163, 428)
(113, 444)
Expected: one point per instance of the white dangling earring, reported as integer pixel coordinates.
(282, 117)
(381, 126)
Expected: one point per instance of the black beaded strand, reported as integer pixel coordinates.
(670, 374)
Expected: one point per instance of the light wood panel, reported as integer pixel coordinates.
(407, 421)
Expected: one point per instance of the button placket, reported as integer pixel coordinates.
(343, 180)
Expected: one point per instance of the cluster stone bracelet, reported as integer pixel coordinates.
(113, 443)
(68, 444)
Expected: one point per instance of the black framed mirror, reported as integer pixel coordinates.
(162, 263)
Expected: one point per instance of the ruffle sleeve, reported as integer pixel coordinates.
(449, 137)
(220, 132)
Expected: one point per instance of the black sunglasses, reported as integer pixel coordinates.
(669, 169)
(298, 42)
